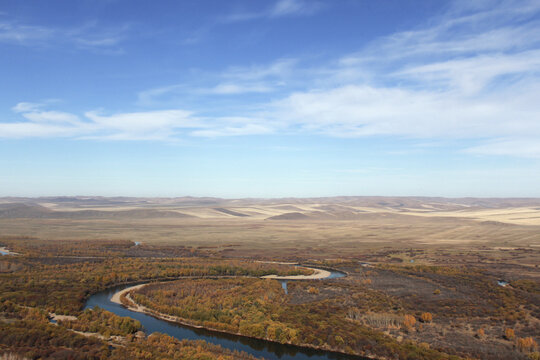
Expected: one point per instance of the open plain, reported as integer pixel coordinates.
(426, 278)
(289, 229)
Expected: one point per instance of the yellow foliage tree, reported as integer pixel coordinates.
(426, 317)
(526, 344)
(408, 322)
(509, 334)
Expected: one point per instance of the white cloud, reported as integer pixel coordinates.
(233, 89)
(42, 123)
(140, 125)
(522, 147)
(473, 73)
(280, 8)
(278, 69)
(19, 33)
(92, 36)
(354, 111)
(235, 80)
(30, 129)
(151, 96)
(464, 77)
(294, 7)
(51, 117)
(243, 130)
(147, 125)
(26, 107)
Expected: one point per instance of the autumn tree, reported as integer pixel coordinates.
(509, 334)
(526, 344)
(408, 322)
(426, 317)
(480, 333)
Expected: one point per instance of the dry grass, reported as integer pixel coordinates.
(10, 356)
(332, 228)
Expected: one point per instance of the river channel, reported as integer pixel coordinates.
(256, 347)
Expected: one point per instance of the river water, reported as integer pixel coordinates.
(4, 251)
(256, 347)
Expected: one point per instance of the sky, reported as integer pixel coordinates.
(273, 98)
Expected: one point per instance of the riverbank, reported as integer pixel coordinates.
(133, 306)
(118, 295)
(318, 274)
(124, 299)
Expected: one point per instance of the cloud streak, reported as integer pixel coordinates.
(162, 125)
(90, 36)
(471, 74)
(281, 8)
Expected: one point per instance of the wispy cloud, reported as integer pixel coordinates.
(152, 125)
(235, 127)
(522, 147)
(232, 88)
(277, 10)
(41, 123)
(280, 8)
(19, 33)
(89, 36)
(235, 80)
(168, 125)
(281, 68)
(472, 73)
(294, 7)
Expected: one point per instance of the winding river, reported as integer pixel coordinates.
(256, 347)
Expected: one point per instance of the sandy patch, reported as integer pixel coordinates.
(519, 216)
(276, 262)
(57, 318)
(317, 274)
(116, 297)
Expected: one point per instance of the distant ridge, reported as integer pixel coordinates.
(230, 212)
(289, 216)
(12, 211)
(395, 202)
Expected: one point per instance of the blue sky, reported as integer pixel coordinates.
(270, 98)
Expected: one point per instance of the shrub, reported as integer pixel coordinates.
(526, 344)
(509, 334)
(436, 292)
(480, 333)
(408, 322)
(426, 317)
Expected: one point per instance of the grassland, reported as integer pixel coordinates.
(405, 257)
(334, 227)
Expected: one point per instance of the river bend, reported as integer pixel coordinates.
(255, 347)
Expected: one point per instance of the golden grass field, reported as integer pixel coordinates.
(287, 228)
